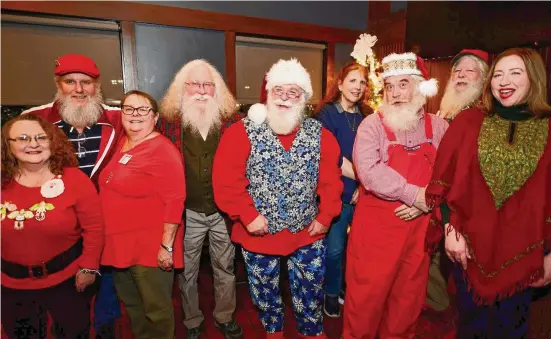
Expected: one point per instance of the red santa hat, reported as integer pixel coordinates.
(480, 54)
(263, 91)
(410, 64)
(283, 72)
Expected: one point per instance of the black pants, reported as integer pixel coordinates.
(24, 311)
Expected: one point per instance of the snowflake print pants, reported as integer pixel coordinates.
(306, 271)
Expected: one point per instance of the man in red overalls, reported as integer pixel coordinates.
(387, 266)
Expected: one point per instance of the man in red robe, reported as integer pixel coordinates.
(387, 266)
(469, 70)
(276, 173)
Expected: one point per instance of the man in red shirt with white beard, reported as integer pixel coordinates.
(387, 266)
(469, 70)
(94, 130)
(269, 170)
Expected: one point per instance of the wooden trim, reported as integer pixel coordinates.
(329, 66)
(183, 17)
(128, 54)
(231, 76)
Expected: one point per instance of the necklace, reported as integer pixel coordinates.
(353, 124)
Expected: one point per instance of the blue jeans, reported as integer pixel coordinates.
(336, 239)
(106, 305)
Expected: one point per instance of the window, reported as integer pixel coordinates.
(255, 56)
(31, 44)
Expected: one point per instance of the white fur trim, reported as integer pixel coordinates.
(396, 57)
(392, 70)
(429, 88)
(286, 72)
(257, 113)
(403, 71)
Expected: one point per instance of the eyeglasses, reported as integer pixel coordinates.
(291, 94)
(26, 139)
(196, 86)
(81, 151)
(73, 82)
(142, 111)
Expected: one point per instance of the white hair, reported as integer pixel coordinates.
(482, 66)
(171, 104)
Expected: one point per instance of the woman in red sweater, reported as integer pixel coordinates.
(142, 192)
(52, 231)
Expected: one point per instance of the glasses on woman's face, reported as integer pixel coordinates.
(24, 139)
(292, 93)
(142, 111)
(197, 86)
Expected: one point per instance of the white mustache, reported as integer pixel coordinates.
(198, 96)
(282, 103)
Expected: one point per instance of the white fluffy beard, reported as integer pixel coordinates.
(453, 101)
(404, 117)
(284, 122)
(197, 117)
(79, 115)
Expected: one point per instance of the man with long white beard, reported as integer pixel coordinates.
(269, 170)
(469, 69)
(387, 266)
(94, 130)
(195, 111)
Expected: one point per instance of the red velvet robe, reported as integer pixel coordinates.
(507, 244)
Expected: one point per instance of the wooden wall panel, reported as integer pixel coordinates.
(231, 76)
(128, 54)
(447, 27)
(329, 66)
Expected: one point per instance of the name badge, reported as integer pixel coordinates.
(125, 159)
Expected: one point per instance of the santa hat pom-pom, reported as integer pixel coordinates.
(257, 113)
(429, 88)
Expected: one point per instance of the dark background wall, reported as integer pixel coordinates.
(444, 28)
(344, 14)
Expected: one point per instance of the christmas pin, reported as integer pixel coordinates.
(20, 217)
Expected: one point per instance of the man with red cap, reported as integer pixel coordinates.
(269, 171)
(387, 266)
(463, 91)
(94, 129)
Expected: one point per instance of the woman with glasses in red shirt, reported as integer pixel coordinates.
(52, 232)
(142, 192)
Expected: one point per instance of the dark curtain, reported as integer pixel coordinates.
(440, 70)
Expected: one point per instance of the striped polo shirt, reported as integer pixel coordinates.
(86, 144)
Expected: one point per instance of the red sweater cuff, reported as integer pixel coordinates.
(324, 219)
(248, 217)
(89, 261)
(173, 211)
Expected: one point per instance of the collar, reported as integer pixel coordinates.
(339, 108)
(476, 103)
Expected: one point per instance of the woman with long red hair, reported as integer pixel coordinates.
(341, 112)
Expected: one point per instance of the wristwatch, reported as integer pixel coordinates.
(168, 249)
